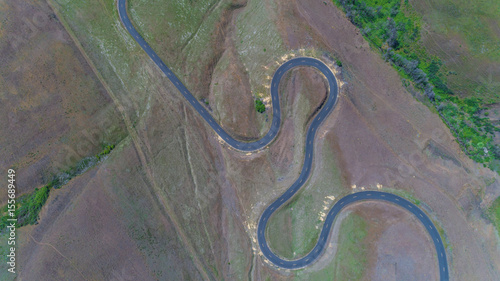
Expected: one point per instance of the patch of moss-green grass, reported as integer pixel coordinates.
(350, 259)
(494, 213)
(289, 234)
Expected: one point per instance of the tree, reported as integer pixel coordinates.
(392, 34)
(259, 106)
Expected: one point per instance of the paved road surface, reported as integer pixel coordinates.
(306, 168)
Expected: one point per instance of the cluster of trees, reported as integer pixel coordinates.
(357, 11)
(364, 16)
(392, 34)
(106, 151)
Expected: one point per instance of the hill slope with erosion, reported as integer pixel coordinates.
(172, 202)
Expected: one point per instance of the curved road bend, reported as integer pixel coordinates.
(306, 169)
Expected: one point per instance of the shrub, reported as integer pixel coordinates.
(31, 205)
(28, 206)
(259, 106)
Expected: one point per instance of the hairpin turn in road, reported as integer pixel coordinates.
(326, 108)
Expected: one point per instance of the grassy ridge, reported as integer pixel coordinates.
(28, 206)
(393, 27)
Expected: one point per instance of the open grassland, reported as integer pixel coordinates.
(116, 56)
(141, 90)
(259, 43)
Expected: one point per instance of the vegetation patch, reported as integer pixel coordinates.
(28, 206)
(393, 27)
(350, 260)
(259, 106)
(494, 213)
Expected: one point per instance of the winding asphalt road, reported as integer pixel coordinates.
(306, 168)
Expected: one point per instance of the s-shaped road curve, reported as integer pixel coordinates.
(306, 168)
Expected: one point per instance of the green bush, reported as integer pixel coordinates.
(259, 106)
(30, 206)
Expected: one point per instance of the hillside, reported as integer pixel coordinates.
(171, 201)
